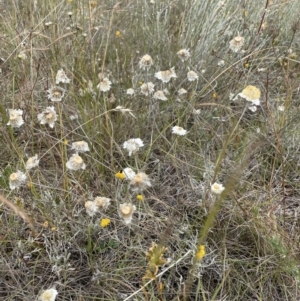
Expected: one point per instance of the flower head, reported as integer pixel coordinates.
(91, 208)
(104, 85)
(56, 93)
(236, 43)
(192, 76)
(48, 116)
(217, 188)
(165, 76)
(22, 55)
(120, 175)
(221, 63)
(133, 145)
(130, 91)
(252, 108)
(126, 211)
(201, 252)
(147, 88)
(140, 182)
(129, 173)
(75, 163)
(181, 91)
(104, 222)
(32, 162)
(15, 118)
(145, 62)
(49, 295)
(102, 203)
(252, 94)
(140, 197)
(184, 54)
(16, 179)
(160, 95)
(61, 77)
(80, 146)
(178, 130)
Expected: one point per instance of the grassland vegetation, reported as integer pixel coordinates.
(149, 150)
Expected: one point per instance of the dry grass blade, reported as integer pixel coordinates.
(18, 211)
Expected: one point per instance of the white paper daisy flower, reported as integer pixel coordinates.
(129, 173)
(126, 211)
(182, 91)
(184, 54)
(48, 295)
(48, 116)
(133, 145)
(56, 93)
(102, 203)
(147, 88)
(192, 76)
(145, 62)
(104, 85)
(91, 208)
(75, 163)
(178, 130)
(252, 94)
(16, 179)
(160, 95)
(80, 146)
(15, 118)
(236, 43)
(217, 188)
(140, 182)
(130, 91)
(32, 162)
(165, 76)
(61, 77)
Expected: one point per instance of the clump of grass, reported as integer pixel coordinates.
(149, 104)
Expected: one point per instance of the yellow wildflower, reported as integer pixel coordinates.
(104, 222)
(201, 252)
(120, 175)
(140, 197)
(118, 34)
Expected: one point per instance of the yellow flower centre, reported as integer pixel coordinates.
(13, 116)
(126, 210)
(49, 116)
(47, 296)
(138, 179)
(57, 93)
(13, 176)
(78, 160)
(216, 187)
